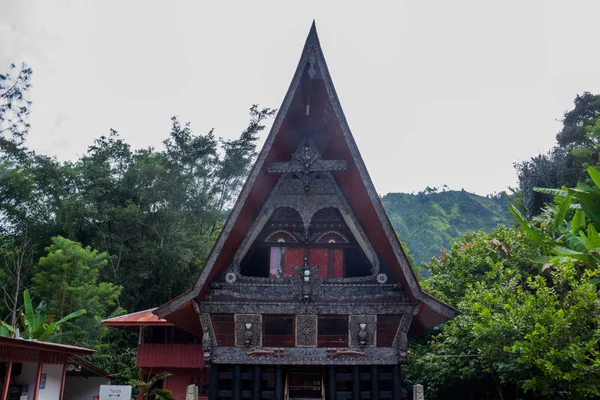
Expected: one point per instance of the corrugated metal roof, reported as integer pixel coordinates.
(140, 318)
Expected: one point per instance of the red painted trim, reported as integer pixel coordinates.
(38, 379)
(63, 379)
(7, 380)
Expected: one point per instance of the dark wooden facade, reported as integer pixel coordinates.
(307, 292)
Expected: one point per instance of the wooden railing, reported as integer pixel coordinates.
(170, 355)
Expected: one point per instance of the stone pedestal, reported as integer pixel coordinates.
(418, 392)
(192, 392)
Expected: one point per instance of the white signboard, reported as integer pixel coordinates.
(110, 392)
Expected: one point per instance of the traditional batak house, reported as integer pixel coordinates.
(307, 292)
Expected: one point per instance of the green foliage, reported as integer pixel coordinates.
(578, 148)
(519, 331)
(149, 391)
(34, 322)
(429, 222)
(67, 278)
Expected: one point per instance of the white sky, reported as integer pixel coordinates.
(435, 92)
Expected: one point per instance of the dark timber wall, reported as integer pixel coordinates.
(256, 382)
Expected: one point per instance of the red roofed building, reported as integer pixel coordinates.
(35, 370)
(164, 347)
(307, 292)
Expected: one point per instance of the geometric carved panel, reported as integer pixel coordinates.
(255, 330)
(306, 330)
(354, 328)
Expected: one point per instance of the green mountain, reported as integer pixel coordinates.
(428, 221)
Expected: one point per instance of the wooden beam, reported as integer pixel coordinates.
(355, 382)
(213, 383)
(7, 379)
(396, 381)
(237, 382)
(331, 391)
(63, 379)
(38, 379)
(374, 382)
(257, 383)
(278, 382)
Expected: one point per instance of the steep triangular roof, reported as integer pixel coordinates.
(336, 142)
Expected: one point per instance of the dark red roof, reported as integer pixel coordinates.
(335, 141)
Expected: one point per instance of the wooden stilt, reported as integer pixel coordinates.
(63, 379)
(7, 380)
(237, 382)
(38, 379)
(374, 382)
(331, 391)
(279, 383)
(355, 383)
(213, 383)
(256, 383)
(396, 381)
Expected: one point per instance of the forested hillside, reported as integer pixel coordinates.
(430, 220)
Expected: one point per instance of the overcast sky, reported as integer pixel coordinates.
(435, 92)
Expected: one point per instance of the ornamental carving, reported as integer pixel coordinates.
(401, 339)
(305, 283)
(208, 337)
(306, 330)
(248, 329)
(362, 328)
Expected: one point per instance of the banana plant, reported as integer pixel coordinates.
(576, 240)
(34, 323)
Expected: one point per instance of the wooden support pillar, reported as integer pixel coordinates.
(38, 379)
(256, 383)
(7, 379)
(63, 379)
(374, 382)
(356, 382)
(279, 383)
(213, 383)
(396, 382)
(331, 392)
(237, 382)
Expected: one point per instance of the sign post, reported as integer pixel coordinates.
(116, 392)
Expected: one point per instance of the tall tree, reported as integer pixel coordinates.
(578, 147)
(68, 280)
(14, 107)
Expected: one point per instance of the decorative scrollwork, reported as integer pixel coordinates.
(306, 330)
(332, 237)
(281, 236)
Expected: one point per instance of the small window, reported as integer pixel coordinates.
(256, 263)
(387, 325)
(154, 335)
(357, 263)
(278, 331)
(224, 327)
(333, 331)
(282, 259)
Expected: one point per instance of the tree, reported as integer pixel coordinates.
(578, 147)
(523, 332)
(35, 324)
(67, 279)
(14, 108)
(15, 267)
